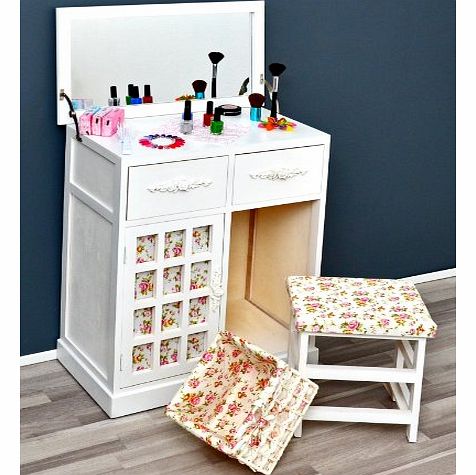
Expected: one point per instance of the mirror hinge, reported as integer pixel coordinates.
(61, 96)
(261, 78)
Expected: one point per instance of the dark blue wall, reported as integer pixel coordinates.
(379, 75)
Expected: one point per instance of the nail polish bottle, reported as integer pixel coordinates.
(130, 92)
(208, 116)
(135, 99)
(114, 100)
(147, 99)
(186, 126)
(216, 127)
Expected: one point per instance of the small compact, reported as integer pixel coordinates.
(230, 109)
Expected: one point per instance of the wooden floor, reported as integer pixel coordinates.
(64, 432)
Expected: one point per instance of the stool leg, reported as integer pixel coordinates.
(415, 392)
(313, 351)
(301, 360)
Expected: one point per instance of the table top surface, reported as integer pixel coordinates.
(240, 136)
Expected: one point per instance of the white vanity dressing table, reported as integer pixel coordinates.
(163, 248)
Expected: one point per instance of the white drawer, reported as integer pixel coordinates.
(177, 187)
(266, 176)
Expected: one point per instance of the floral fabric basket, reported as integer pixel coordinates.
(243, 401)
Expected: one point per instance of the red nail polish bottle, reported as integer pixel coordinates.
(147, 99)
(208, 116)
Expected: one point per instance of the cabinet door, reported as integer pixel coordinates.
(172, 297)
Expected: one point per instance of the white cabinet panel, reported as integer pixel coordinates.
(278, 174)
(168, 188)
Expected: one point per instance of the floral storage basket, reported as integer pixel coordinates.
(243, 401)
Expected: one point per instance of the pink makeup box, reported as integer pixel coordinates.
(101, 121)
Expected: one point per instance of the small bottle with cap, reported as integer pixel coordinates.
(147, 99)
(208, 116)
(216, 127)
(186, 125)
(114, 100)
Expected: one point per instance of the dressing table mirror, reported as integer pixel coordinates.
(163, 248)
(165, 46)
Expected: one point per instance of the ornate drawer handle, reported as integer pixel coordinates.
(183, 184)
(278, 174)
(217, 291)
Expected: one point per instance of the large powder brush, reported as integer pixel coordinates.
(199, 86)
(215, 58)
(276, 69)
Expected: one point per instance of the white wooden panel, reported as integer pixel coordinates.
(89, 315)
(164, 189)
(93, 174)
(360, 373)
(277, 174)
(357, 414)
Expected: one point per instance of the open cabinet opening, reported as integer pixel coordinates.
(267, 245)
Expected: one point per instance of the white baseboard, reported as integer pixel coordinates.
(441, 274)
(37, 357)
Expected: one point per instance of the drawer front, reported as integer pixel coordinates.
(278, 174)
(178, 187)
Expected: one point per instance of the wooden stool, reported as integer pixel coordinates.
(362, 308)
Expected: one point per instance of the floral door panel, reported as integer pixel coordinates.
(201, 239)
(172, 283)
(169, 350)
(172, 295)
(196, 344)
(198, 311)
(199, 275)
(171, 315)
(145, 284)
(146, 248)
(143, 318)
(174, 244)
(142, 357)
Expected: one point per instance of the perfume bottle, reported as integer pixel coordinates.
(186, 125)
(216, 127)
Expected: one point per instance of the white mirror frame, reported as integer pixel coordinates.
(64, 17)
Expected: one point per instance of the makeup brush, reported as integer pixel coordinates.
(244, 87)
(256, 102)
(215, 58)
(199, 87)
(276, 69)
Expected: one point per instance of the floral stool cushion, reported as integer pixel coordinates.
(344, 305)
(243, 401)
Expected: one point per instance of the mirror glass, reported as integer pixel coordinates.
(168, 52)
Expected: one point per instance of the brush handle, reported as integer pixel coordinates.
(274, 104)
(214, 87)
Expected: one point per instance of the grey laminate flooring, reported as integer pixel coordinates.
(64, 432)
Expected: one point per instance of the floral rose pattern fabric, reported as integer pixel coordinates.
(142, 357)
(199, 275)
(143, 321)
(173, 244)
(145, 250)
(200, 239)
(359, 306)
(171, 315)
(196, 345)
(243, 401)
(173, 279)
(169, 351)
(144, 284)
(198, 311)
